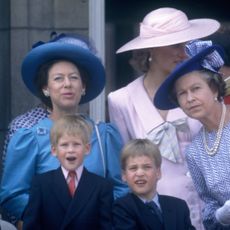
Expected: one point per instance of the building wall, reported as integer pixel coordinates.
(4, 68)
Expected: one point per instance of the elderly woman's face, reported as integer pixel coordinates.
(65, 85)
(194, 95)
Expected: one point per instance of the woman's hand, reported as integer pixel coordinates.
(223, 213)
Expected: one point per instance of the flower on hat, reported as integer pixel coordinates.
(212, 61)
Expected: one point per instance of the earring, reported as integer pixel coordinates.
(150, 59)
(215, 99)
(83, 92)
(46, 93)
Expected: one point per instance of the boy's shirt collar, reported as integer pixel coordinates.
(155, 199)
(78, 171)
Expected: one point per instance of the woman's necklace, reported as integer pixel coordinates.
(212, 151)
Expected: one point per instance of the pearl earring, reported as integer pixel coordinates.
(150, 59)
(83, 92)
(215, 99)
(46, 93)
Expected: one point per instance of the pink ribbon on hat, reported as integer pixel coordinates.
(166, 24)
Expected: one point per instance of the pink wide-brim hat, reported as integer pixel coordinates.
(169, 26)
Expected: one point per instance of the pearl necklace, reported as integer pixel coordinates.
(212, 151)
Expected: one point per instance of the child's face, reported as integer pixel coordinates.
(142, 175)
(70, 150)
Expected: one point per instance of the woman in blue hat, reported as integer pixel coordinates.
(196, 86)
(63, 73)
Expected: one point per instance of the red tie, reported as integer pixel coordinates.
(71, 182)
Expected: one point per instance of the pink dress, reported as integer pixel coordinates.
(136, 117)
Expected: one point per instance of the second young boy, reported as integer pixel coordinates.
(144, 208)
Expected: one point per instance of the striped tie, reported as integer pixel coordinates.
(155, 210)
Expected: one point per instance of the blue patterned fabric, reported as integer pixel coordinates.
(211, 62)
(26, 120)
(211, 174)
(28, 153)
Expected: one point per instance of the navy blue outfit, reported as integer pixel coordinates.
(51, 207)
(131, 213)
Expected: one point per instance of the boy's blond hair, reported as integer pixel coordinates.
(74, 125)
(140, 147)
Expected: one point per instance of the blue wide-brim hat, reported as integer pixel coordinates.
(163, 97)
(67, 48)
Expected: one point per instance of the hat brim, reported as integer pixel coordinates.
(198, 28)
(62, 51)
(163, 97)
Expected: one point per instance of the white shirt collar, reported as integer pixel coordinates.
(78, 171)
(155, 199)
